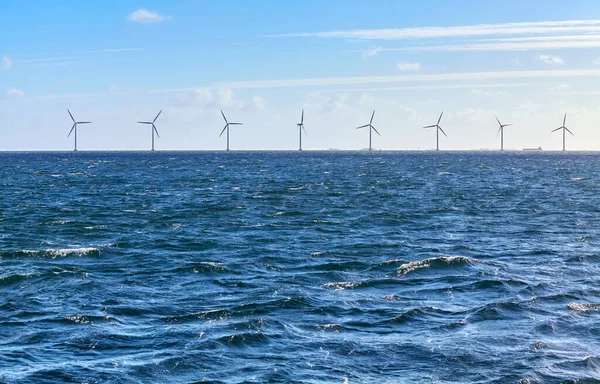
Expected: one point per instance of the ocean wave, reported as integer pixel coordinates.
(343, 285)
(434, 262)
(578, 307)
(52, 253)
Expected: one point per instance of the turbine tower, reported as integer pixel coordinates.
(437, 132)
(74, 128)
(501, 132)
(564, 130)
(153, 129)
(371, 128)
(300, 129)
(227, 124)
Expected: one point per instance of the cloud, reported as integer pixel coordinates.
(561, 87)
(550, 59)
(259, 102)
(372, 51)
(14, 94)
(145, 16)
(481, 93)
(475, 76)
(408, 67)
(6, 62)
(541, 27)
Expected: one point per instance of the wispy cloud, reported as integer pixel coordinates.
(408, 67)
(475, 76)
(68, 58)
(144, 16)
(561, 87)
(548, 59)
(531, 28)
(372, 51)
(14, 94)
(6, 63)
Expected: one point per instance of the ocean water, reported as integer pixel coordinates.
(313, 267)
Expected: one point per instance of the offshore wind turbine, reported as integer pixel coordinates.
(227, 124)
(564, 128)
(501, 132)
(300, 129)
(153, 129)
(437, 132)
(371, 128)
(74, 128)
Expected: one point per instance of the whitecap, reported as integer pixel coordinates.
(342, 285)
(406, 268)
(583, 307)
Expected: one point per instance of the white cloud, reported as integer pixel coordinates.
(6, 62)
(259, 102)
(478, 76)
(408, 67)
(542, 27)
(372, 51)
(480, 93)
(548, 59)
(516, 61)
(597, 61)
(15, 94)
(145, 16)
(561, 87)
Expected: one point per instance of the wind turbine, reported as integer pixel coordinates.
(74, 128)
(501, 132)
(300, 129)
(227, 124)
(153, 127)
(437, 132)
(564, 129)
(371, 128)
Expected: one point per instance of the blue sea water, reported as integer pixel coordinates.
(312, 267)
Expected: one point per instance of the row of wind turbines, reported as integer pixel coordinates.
(301, 128)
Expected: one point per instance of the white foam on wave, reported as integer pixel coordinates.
(584, 307)
(342, 285)
(407, 268)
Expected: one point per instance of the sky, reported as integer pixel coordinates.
(116, 62)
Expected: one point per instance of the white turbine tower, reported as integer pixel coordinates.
(74, 128)
(371, 128)
(501, 132)
(565, 129)
(300, 129)
(437, 132)
(227, 124)
(153, 129)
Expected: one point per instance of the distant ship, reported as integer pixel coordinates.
(533, 149)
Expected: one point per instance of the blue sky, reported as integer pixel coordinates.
(262, 62)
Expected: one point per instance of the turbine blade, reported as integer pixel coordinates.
(154, 121)
(144, 122)
(71, 115)
(363, 126)
(554, 130)
(155, 130)
(506, 125)
(440, 128)
(372, 116)
(440, 119)
(224, 116)
(72, 128)
(302, 119)
(375, 130)
(84, 122)
(565, 119)
(569, 131)
(498, 120)
(236, 124)
(226, 125)
(306, 133)
(430, 126)
(498, 131)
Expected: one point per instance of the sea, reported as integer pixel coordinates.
(300, 267)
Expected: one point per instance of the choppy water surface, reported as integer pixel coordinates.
(299, 267)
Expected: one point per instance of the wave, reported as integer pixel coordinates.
(583, 307)
(343, 285)
(441, 262)
(52, 253)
